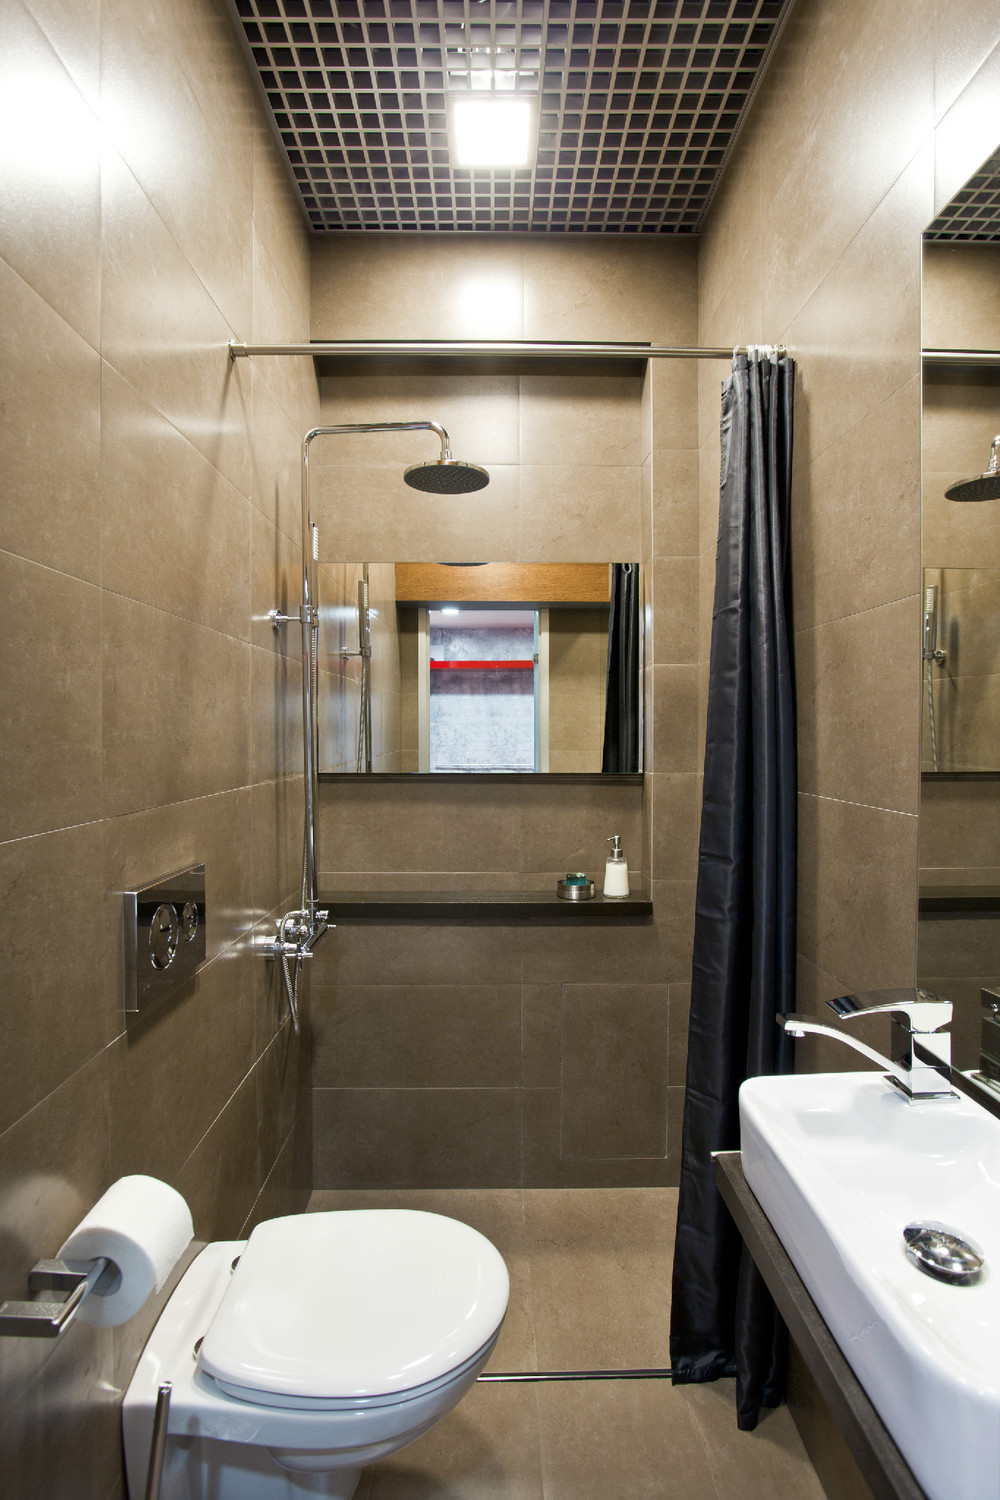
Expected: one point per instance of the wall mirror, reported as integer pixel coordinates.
(958, 944)
(480, 668)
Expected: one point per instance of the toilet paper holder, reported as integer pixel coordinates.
(48, 1319)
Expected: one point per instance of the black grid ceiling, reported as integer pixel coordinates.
(974, 212)
(639, 101)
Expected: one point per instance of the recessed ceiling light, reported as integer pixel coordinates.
(492, 132)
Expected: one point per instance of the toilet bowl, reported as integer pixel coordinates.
(321, 1344)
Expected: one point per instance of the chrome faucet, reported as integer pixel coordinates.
(920, 1065)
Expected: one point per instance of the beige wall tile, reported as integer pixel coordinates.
(543, 1166)
(578, 513)
(416, 1137)
(856, 516)
(161, 330)
(856, 701)
(50, 231)
(428, 286)
(576, 420)
(409, 1036)
(52, 1025)
(176, 706)
(567, 827)
(372, 515)
(190, 1054)
(152, 95)
(674, 736)
(221, 1178)
(50, 434)
(591, 287)
(174, 530)
(614, 1071)
(420, 954)
(479, 413)
(674, 503)
(857, 892)
(51, 699)
(438, 826)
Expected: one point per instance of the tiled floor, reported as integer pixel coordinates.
(590, 1284)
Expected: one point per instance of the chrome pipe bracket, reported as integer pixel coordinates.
(48, 1319)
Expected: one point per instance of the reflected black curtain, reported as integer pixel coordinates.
(743, 970)
(621, 704)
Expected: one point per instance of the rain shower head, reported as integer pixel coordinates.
(983, 486)
(446, 476)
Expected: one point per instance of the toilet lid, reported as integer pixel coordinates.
(354, 1304)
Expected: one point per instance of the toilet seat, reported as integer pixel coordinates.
(354, 1309)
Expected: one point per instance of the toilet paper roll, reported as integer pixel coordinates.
(143, 1226)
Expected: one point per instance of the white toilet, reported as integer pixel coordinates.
(320, 1344)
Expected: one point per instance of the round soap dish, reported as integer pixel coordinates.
(575, 888)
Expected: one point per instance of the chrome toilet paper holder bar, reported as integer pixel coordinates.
(48, 1319)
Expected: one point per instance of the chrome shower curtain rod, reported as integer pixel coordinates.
(452, 348)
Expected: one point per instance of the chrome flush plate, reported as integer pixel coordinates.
(164, 935)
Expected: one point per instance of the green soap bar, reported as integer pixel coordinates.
(577, 879)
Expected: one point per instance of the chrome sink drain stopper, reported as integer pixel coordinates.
(942, 1253)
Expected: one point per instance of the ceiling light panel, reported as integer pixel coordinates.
(638, 102)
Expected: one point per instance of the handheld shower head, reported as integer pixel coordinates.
(983, 486)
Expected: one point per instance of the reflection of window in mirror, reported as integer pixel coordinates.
(545, 707)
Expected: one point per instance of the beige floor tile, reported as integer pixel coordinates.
(486, 1449)
(608, 1440)
(600, 1275)
(751, 1465)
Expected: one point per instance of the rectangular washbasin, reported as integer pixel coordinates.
(841, 1163)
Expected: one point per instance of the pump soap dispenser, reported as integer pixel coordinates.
(616, 870)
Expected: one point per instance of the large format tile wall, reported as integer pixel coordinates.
(498, 1055)
(871, 118)
(150, 504)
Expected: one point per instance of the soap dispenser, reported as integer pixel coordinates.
(616, 870)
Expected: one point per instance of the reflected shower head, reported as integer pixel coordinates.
(446, 476)
(983, 486)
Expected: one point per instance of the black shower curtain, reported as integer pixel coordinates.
(621, 708)
(743, 970)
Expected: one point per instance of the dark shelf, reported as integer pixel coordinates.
(959, 901)
(543, 908)
(541, 778)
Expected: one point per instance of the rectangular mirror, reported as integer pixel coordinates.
(473, 668)
(958, 934)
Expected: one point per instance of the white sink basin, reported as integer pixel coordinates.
(841, 1163)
